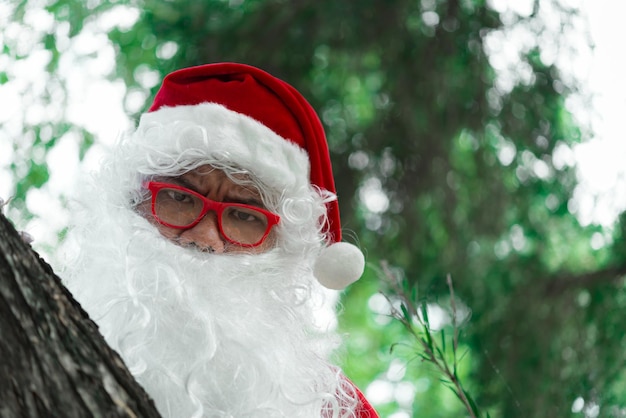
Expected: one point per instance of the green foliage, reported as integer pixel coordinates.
(415, 112)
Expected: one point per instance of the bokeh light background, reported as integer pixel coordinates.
(84, 96)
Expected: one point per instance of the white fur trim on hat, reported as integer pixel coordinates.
(210, 131)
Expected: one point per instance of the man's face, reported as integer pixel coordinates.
(206, 235)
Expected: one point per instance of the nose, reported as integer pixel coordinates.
(205, 235)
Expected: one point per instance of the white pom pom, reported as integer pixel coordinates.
(339, 265)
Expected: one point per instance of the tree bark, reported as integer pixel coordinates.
(587, 280)
(53, 360)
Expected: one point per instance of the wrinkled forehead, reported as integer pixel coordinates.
(207, 179)
(210, 174)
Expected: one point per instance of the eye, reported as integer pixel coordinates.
(179, 196)
(246, 215)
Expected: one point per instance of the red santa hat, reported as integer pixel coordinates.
(253, 94)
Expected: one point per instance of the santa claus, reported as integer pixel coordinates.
(202, 243)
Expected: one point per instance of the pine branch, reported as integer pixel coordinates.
(413, 315)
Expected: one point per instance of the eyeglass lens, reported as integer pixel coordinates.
(239, 223)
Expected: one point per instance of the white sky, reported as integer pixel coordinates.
(602, 161)
(96, 104)
(601, 193)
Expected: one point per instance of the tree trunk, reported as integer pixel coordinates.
(53, 360)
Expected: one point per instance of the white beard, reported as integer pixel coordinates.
(208, 335)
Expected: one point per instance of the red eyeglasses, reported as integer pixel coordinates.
(178, 207)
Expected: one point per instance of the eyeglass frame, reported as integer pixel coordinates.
(209, 205)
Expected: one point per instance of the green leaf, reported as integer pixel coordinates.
(405, 313)
(443, 339)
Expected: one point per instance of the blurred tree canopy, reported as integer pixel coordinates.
(445, 163)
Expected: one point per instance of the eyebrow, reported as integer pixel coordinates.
(179, 181)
